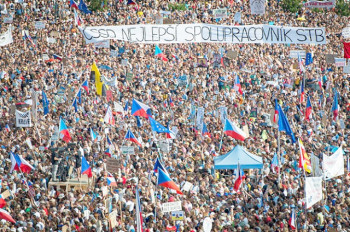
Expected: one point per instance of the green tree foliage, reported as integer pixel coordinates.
(291, 5)
(342, 8)
(96, 5)
(177, 6)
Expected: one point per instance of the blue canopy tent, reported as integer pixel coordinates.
(246, 160)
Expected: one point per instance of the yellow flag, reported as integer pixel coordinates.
(264, 135)
(98, 82)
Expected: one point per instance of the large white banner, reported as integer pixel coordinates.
(257, 7)
(6, 38)
(313, 190)
(205, 33)
(23, 119)
(320, 4)
(333, 165)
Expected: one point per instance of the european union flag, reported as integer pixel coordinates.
(45, 103)
(82, 7)
(157, 127)
(308, 59)
(283, 124)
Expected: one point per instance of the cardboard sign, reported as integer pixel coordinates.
(346, 33)
(102, 44)
(112, 165)
(55, 34)
(124, 62)
(330, 58)
(46, 57)
(202, 62)
(159, 19)
(177, 215)
(238, 17)
(65, 228)
(171, 206)
(182, 80)
(113, 218)
(126, 150)
(187, 186)
(231, 54)
(164, 146)
(294, 54)
(39, 25)
(220, 13)
(6, 194)
(168, 21)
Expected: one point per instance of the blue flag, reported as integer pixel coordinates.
(83, 7)
(308, 59)
(138, 121)
(45, 103)
(157, 127)
(79, 96)
(126, 106)
(283, 124)
(75, 105)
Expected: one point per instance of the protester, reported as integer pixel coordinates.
(70, 139)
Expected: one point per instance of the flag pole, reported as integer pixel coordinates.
(278, 155)
(155, 202)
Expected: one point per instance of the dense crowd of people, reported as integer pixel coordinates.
(266, 72)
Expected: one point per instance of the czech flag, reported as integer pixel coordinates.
(108, 152)
(64, 131)
(85, 167)
(239, 179)
(304, 160)
(308, 111)
(335, 106)
(93, 135)
(159, 165)
(205, 131)
(291, 221)
(238, 86)
(77, 19)
(73, 4)
(7, 128)
(130, 136)
(2, 202)
(20, 164)
(320, 83)
(57, 57)
(165, 181)
(302, 92)
(139, 219)
(276, 112)
(170, 134)
(165, 103)
(111, 180)
(160, 54)
(28, 37)
(85, 86)
(131, 2)
(109, 141)
(171, 102)
(234, 131)
(140, 109)
(6, 216)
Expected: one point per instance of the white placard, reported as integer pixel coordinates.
(114, 53)
(56, 134)
(257, 7)
(126, 150)
(238, 17)
(346, 69)
(187, 186)
(339, 62)
(51, 40)
(313, 190)
(320, 4)
(164, 145)
(23, 119)
(333, 165)
(8, 19)
(6, 38)
(220, 13)
(102, 44)
(171, 206)
(39, 25)
(205, 33)
(46, 57)
(294, 54)
(346, 33)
